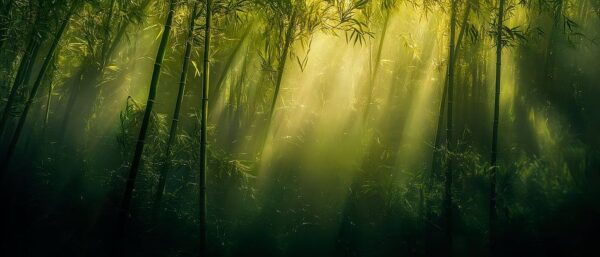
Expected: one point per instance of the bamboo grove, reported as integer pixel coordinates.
(299, 127)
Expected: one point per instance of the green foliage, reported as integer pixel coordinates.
(322, 177)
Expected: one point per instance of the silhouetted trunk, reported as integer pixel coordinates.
(139, 148)
(46, 107)
(494, 167)
(449, 137)
(15, 138)
(173, 131)
(23, 74)
(240, 101)
(550, 49)
(289, 38)
(203, 134)
(435, 160)
(73, 95)
(107, 21)
(377, 64)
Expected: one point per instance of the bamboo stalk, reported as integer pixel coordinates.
(15, 138)
(203, 134)
(289, 38)
(440, 122)
(376, 65)
(494, 155)
(22, 77)
(141, 141)
(173, 130)
(449, 136)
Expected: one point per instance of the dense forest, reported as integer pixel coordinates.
(299, 128)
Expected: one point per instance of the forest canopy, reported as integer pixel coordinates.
(299, 127)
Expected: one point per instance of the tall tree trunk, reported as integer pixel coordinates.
(73, 95)
(46, 111)
(203, 159)
(240, 100)
(105, 55)
(23, 74)
(15, 138)
(436, 158)
(139, 148)
(173, 131)
(438, 139)
(376, 65)
(289, 38)
(550, 49)
(449, 136)
(494, 166)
